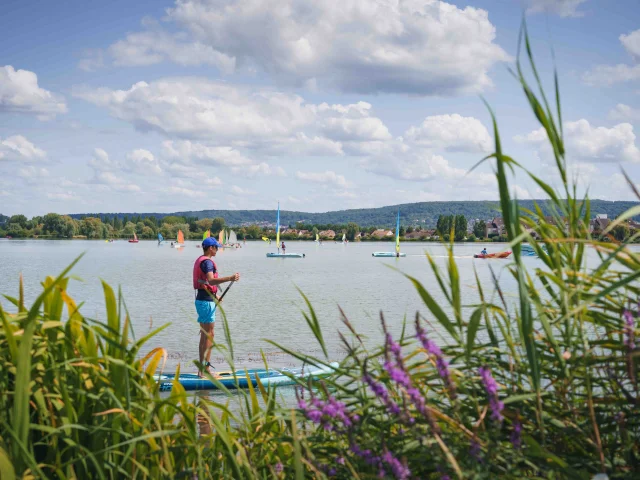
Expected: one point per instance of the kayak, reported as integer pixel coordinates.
(387, 254)
(493, 255)
(285, 255)
(238, 379)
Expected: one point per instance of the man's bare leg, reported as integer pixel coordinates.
(206, 344)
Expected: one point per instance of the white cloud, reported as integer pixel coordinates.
(19, 148)
(199, 108)
(328, 177)
(631, 43)
(352, 123)
(143, 162)
(187, 192)
(607, 75)
(93, 60)
(187, 152)
(592, 144)
(32, 172)
(428, 48)
(624, 112)
(262, 169)
(151, 47)
(452, 133)
(242, 191)
(108, 173)
(563, 8)
(62, 196)
(20, 93)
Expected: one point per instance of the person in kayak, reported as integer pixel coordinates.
(484, 251)
(205, 283)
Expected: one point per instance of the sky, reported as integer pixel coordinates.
(162, 106)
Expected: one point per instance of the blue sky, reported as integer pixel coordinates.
(199, 104)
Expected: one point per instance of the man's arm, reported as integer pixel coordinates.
(221, 280)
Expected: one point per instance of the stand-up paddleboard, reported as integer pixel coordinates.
(278, 254)
(238, 379)
(397, 252)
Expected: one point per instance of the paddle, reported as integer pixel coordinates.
(223, 294)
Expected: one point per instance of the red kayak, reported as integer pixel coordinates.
(493, 255)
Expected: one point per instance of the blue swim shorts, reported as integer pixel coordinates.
(206, 312)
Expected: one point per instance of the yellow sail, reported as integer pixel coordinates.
(266, 239)
(180, 236)
(206, 234)
(278, 228)
(221, 237)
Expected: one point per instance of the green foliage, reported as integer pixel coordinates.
(479, 228)
(352, 230)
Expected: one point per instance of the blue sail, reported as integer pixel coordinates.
(160, 238)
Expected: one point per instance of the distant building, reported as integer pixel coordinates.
(381, 233)
(302, 233)
(599, 224)
(330, 234)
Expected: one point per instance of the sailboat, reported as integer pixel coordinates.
(317, 238)
(221, 237)
(134, 239)
(344, 238)
(180, 242)
(160, 238)
(282, 255)
(233, 238)
(397, 252)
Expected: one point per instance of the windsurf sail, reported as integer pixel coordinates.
(206, 234)
(278, 228)
(317, 237)
(233, 238)
(266, 239)
(344, 237)
(160, 238)
(135, 237)
(221, 237)
(180, 236)
(398, 233)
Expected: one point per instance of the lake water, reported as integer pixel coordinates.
(265, 304)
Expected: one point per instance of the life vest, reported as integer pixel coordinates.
(200, 278)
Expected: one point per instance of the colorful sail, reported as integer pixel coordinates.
(278, 227)
(135, 237)
(221, 237)
(398, 233)
(160, 238)
(317, 237)
(206, 234)
(180, 236)
(266, 239)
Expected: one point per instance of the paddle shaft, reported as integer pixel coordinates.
(223, 294)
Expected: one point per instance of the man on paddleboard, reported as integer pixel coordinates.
(205, 283)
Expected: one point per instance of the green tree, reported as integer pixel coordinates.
(479, 228)
(91, 227)
(409, 229)
(460, 228)
(402, 231)
(352, 230)
(140, 226)
(620, 232)
(204, 224)
(217, 224)
(314, 231)
(129, 229)
(19, 219)
(53, 223)
(173, 219)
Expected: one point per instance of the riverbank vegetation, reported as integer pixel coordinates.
(542, 386)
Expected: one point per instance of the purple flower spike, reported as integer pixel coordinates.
(442, 366)
(516, 434)
(278, 468)
(381, 392)
(629, 329)
(491, 387)
(398, 469)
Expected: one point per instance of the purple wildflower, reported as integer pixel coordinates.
(474, 450)
(397, 374)
(381, 392)
(491, 387)
(516, 434)
(629, 329)
(369, 458)
(442, 366)
(398, 469)
(278, 468)
(340, 460)
(326, 413)
(395, 347)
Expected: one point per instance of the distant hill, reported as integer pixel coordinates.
(422, 213)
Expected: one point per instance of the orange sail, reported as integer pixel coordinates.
(221, 237)
(180, 236)
(135, 237)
